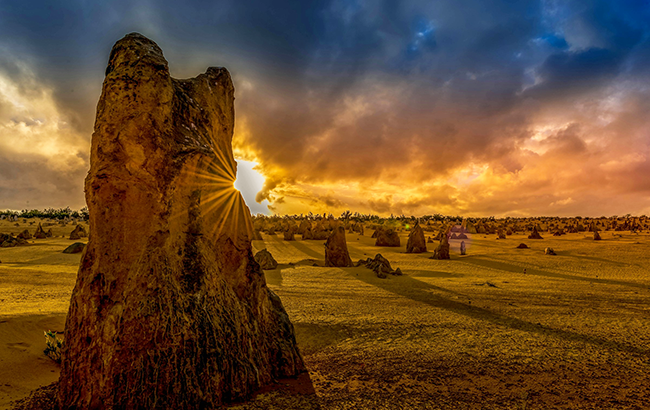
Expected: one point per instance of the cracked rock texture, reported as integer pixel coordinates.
(170, 309)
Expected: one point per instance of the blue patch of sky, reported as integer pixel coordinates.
(423, 38)
(553, 40)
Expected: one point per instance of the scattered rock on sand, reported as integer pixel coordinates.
(265, 260)
(549, 251)
(463, 249)
(336, 250)
(78, 232)
(522, 246)
(380, 266)
(24, 235)
(416, 242)
(76, 247)
(7, 241)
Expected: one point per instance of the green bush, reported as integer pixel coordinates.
(53, 346)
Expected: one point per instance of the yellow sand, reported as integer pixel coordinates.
(472, 332)
(35, 286)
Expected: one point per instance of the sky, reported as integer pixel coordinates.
(458, 107)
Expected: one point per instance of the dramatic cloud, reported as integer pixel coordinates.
(43, 159)
(461, 107)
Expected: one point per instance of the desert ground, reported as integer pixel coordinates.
(473, 332)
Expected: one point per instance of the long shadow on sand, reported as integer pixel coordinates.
(308, 250)
(422, 292)
(297, 245)
(602, 260)
(356, 252)
(569, 253)
(533, 270)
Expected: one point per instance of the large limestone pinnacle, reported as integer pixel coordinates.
(170, 309)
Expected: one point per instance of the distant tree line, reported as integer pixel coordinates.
(359, 217)
(50, 213)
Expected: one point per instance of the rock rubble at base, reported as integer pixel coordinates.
(380, 266)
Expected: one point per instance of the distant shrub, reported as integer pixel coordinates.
(49, 213)
(53, 346)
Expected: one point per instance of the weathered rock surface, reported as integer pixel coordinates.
(170, 309)
(380, 266)
(304, 225)
(320, 234)
(535, 234)
(307, 234)
(594, 228)
(387, 237)
(416, 242)
(76, 247)
(336, 250)
(24, 235)
(40, 233)
(442, 251)
(265, 260)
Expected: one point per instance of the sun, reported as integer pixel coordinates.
(249, 182)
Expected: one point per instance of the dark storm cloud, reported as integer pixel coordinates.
(353, 90)
(604, 36)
